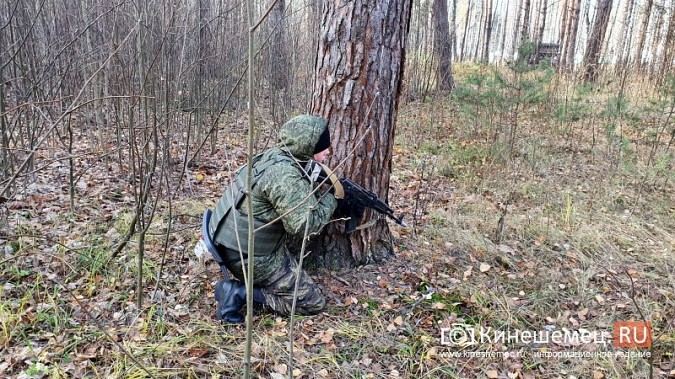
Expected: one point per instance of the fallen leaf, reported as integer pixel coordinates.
(391, 327)
(505, 249)
(600, 299)
(280, 368)
(467, 273)
(438, 305)
(197, 352)
(484, 267)
(398, 320)
(323, 373)
(327, 336)
(598, 375)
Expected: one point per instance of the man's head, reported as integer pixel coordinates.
(306, 137)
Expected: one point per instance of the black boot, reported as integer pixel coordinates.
(231, 296)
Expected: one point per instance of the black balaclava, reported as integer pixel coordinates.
(324, 141)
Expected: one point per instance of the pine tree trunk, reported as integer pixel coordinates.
(278, 59)
(358, 81)
(571, 47)
(562, 34)
(592, 55)
(442, 45)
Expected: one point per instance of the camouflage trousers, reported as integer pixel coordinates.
(275, 275)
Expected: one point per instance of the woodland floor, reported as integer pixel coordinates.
(586, 238)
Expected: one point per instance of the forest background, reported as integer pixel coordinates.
(533, 158)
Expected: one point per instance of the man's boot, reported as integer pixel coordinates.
(231, 296)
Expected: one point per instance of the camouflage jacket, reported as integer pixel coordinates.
(283, 190)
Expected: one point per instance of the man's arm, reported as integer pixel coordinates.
(290, 193)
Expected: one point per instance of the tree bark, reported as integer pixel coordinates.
(562, 34)
(278, 60)
(442, 45)
(592, 55)
(525, 32)
(571, 44)
(488, 32)
(643, 32)
(542, 24)
(516, 29)
(359, 74)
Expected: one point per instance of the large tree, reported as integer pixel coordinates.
(359, 72)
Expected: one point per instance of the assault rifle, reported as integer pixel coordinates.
(353, 196)
(355, 193)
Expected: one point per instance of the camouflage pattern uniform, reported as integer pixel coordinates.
(283, 189)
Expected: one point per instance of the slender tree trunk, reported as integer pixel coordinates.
(517, 28)
(502, 48)
(525, 32)
(643, 33)
(488, 32)
(571, 47)
(278, 54)
(359, 74)
(609, 48)
(626, 32)
(542, 24)
(479, 32)
(453, 28)
(656, 41)
(592, 55)
(562, 34)
(563, 24)
(537, 19)
(442, 45)
(466, 28)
